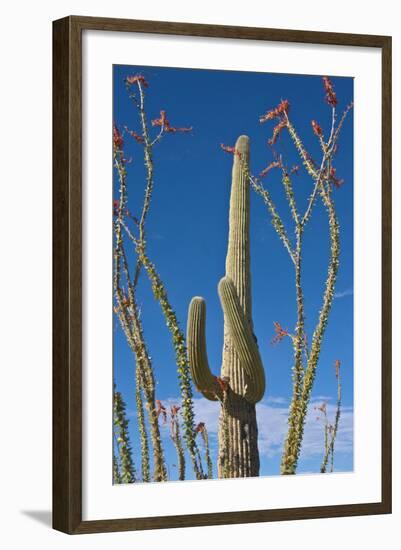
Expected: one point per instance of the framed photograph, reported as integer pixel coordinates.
(222, 275)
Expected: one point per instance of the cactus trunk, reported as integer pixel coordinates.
(238, 447)
(241, 457)
(242, 381)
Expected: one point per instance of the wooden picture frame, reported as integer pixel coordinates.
(67, 274)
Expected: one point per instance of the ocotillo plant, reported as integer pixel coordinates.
(201, 429)
(127, 310)
(125, 288)
(175, 434)
(123, 466)
(242, 381)
(331, 430)
(116, 471)
(324, 179)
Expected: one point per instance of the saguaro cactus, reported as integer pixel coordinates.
(242, 381)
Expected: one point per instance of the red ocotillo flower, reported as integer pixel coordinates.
(337, 365)
(116, 207)
(160, 121)
(174, 129)
(135, 135)
(265, 171)
(276, 131)
(174, 410)
(331, 97)
(333, 178)
(118, 141)
(229, 149)
(200, 427)
(294, 169)
(317, 129)
(281, 333)
(165, 123)
(133, 79)
(161, 410)
(283, 107)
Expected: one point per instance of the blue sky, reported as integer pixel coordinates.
(187, 232)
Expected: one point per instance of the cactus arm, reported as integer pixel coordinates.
(203, 378)
(243, 340)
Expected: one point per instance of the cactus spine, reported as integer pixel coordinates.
(242, 381)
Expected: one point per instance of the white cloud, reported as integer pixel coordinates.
(276, 400)
(205, 411)
(272, 425)
(313, 439)
(130, 413)
(208, 412)
(323, 398)
(343, 293)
